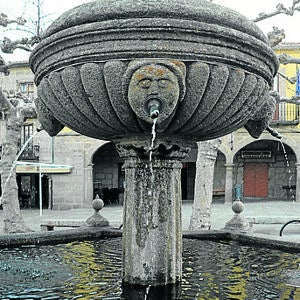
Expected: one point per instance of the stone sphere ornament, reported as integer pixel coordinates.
(97, 220)
(237, 206)
(97, 203)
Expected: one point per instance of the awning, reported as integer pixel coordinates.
(30, 167)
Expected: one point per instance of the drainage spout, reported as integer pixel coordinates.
(153, 107)
(273, 132)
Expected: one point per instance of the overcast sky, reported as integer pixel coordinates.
(249, 8)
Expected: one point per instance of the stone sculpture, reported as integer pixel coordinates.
(107, 70)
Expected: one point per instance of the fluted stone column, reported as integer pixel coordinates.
(207, 154)
(152, 230)
(228, 183)
(297, 182)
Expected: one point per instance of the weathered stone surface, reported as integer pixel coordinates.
(47, 120)
(84, 58)
(97, 220)
(260, 121)
(152, 234)
(106, 70)
(58, 236)
(113, 72)
(197, 77)
(94, 85)
(189, 30)
(238, 223)
(89, 102)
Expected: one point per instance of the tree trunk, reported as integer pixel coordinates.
(13, 221)
(207, 154)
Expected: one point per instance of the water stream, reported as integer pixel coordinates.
(153, 134)
(15, 162)
(290, 175)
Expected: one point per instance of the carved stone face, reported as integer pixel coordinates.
(156, 85)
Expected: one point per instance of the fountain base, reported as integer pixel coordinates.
(152, 230)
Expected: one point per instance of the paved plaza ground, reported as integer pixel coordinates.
(268, 216)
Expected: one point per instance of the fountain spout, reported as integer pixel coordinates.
(274, 132)
(154, 108)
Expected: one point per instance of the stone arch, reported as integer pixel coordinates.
(108, 177)
(261, 169)
(188, 171)
(92, 149)
(287, 140)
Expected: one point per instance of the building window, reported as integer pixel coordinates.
(26, 88)
(31, 151)
(27, 133)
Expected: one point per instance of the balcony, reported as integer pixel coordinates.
(30, 153)
(286, 114)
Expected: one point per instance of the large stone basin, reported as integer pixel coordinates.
(123, 70)
(83, 67)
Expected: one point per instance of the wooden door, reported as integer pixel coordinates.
(256, 180)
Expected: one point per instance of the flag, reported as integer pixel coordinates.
(298, 83)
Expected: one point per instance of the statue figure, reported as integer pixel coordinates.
(155, 88)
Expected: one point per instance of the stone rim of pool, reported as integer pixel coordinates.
(86, 233)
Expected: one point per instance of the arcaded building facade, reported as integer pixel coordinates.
(73, 168)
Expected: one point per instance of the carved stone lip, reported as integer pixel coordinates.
(152, 98)
(191, 30)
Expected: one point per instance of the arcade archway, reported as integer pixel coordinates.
(109, 177)
(266, 170)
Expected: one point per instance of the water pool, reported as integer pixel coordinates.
(93, 270)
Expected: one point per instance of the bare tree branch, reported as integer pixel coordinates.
(291, 80)
(5, 105)
(8, 46)
(3, 67)
(280, 9)
(293, 99)
(287, 59)
(278, 98)
(276, 36)
(4, 20)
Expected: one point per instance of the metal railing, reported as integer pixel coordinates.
(286, 114)
(31, 152)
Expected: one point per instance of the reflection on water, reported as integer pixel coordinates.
(92, 270)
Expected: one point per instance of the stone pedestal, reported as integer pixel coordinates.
(152, 229)
(97, 220)
(238, 223)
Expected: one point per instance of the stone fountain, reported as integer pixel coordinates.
(153, 77)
